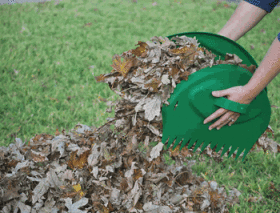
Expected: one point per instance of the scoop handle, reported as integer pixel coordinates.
(231, 105)
(247, 112)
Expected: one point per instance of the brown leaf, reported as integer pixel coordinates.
(100, 78)
(79, 162)
(185, 177)
(175, 152)
(37, 157)
(156, 161)
(184, 76)
(130, 160)
(100, 207)
(153, 85)
(251, 68)
(11, 194)
(139, 206)
(25, 170)
(183, 50)
(137, 174)
(70, 194)
(57, 132)
(140, 51)
(122, 67)
(37, 138)
(170, 180)
(214, 197)
(174, 72)
(185, 152)
(123, 184)
(12, 163)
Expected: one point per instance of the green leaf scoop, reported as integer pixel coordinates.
(194, 102)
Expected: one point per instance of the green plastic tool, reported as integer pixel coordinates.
(192, 102)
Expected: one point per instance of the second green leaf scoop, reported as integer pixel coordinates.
(194, 102)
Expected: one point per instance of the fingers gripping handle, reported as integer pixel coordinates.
(247, 111)
(231, 105)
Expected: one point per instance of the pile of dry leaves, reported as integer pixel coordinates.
(114, 168)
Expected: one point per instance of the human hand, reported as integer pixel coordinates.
(238, 94)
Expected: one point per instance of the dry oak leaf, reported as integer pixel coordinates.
(100, 78)
(122, 67)
(36, 157)
(153, 85)
(57, 132)
(137, 174)
(184, 76)
(184, 50)
(185, 152)
(79, 162)
(140, 51)
(175, 152)
(174, 72)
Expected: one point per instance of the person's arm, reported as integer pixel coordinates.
(268, 69)
(244, 18)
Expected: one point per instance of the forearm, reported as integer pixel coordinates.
(268, 69)
(244, 18)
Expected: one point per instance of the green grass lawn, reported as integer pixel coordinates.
(50, 53)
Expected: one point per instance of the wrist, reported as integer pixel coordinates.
(251, 90)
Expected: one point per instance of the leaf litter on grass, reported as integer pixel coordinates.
(102, 170)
